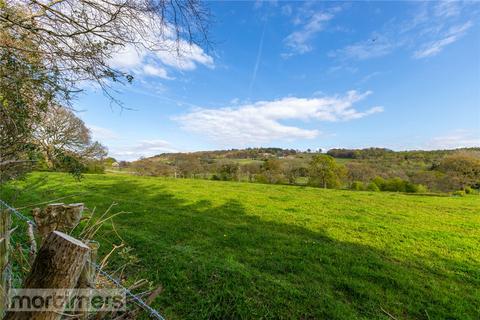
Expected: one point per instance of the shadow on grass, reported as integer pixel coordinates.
(219, 262)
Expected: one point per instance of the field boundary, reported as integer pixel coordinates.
(8, 274)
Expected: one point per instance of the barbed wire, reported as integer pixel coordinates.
(137, 300)
(17, 213)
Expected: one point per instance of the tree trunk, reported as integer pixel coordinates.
(58, 265)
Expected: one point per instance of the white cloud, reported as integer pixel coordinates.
(376, 45)
(260, 122)
(153, 70)
(144, 148)
(432, 27)
(178, 55)
(184, 56)
(456, 139)
(100, 133)
(448, 8)
(434, 47)
(128, 57)
(299, 41)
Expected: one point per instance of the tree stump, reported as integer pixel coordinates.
(58, 265)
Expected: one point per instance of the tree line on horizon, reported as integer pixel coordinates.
(373, 169)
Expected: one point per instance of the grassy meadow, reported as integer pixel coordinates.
(229, 250)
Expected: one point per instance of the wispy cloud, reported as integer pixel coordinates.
(455, 139)
(299, 41)
(144, 148)
(450, 36)
(260, 122)
(101, 134)
(259, 3)
(310, 22)
(376, 45)
(448, 8)
(257, 61)
(432, 27)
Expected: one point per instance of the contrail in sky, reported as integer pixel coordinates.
(257, 62)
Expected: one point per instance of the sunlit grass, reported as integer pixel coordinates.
(226, 250)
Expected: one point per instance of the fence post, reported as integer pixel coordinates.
(57, 216)
(58, 265)
(5, 222)
(87, 276)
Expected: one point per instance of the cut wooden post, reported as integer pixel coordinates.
(70, 217)
(57, 216)
(87, 277)
(33, 243)
(5, 222)
(58, 265)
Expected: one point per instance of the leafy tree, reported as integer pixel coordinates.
(60, 133)
(293, 169)
(462, 169)
(359, 171)
(326, 172)
(272, 171)
(26, 91)
(228, 170)
(148, 167)
(250, 169)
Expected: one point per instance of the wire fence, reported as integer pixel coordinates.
(15, 274)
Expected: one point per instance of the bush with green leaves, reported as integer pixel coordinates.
(459, 193)
(357, 186)
(372, 186)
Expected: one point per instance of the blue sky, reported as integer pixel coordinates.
(401, 75)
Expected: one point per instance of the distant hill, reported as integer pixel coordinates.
(437, 170)
(279, 153)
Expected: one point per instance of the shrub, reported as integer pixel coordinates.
(459, 193)
(421, 188)
(468, 190)
(261, 178)
(415, 188)
(380, 183)
(94, 167)
(395, 185)
(372, 186)
(357, 186)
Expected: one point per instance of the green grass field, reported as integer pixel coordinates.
(226, 250)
